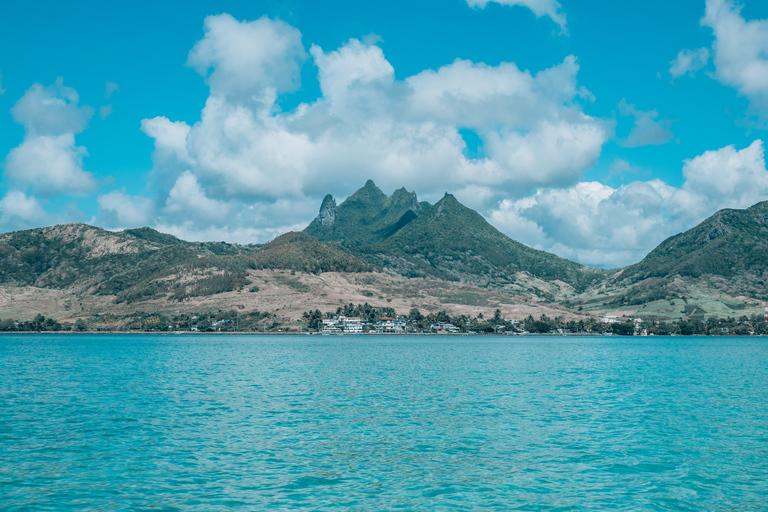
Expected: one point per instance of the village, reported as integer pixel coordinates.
(355, 324)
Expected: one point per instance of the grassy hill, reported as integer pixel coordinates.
(301, 252)
(143, 264)
(718, 267)
(730, 243)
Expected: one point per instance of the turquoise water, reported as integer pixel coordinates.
(382, 423)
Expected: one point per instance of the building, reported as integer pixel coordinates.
(443, 327)
(331, 326)
(385, 325)
(351, 324)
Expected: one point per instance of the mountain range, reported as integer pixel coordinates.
(392, 250)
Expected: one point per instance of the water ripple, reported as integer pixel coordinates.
(99, 423)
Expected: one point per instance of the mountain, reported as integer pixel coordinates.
(447, 240)
(718, 267)
(133, 264)
(731, 243)
(387, 250)
(144, 264)
(366, 217)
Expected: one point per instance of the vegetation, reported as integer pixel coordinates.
(447, 240)
(716, 269)
(304, 253)
(39, 323)
(730, 243)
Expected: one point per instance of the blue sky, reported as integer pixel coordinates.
(590, 129)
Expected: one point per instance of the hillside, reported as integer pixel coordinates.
(446, 240)
(729, 244)
(301, 252)
(366, 217)
(718, 267)
(390, 250)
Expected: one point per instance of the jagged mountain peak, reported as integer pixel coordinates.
(448, 240)
(327, 215)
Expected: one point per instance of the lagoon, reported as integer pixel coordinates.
(193, 423)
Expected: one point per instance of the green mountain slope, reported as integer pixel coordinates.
(61, 256)
(299, 251)
(728, 244)
(718, 267)
(142, 264)
(366, 217)
(447, 240)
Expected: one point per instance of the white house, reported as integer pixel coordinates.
(352, 323)
(331, 326)
(385, 325)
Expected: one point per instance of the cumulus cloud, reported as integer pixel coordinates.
(248, 60)
(368, 124)
(551, 153)
(246, 152)
(740, 53)
(48, 158)
(725, 178)
(602, 225)
(52, 164)
(551, 8)
(187, 199)
(20, 211)
(117, 209)
(689, 61)
(52, 110)
(647, 130)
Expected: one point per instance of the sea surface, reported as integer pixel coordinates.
(251, 423)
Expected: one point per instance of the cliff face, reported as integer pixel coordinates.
(327, 214)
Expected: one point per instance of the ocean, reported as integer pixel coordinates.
(251, 423)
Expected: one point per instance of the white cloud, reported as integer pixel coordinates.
(726, 178)
(740, 53)
(367, 124)
(48, 158)
(601, 225)
(2, 91)
(170, 156)
(244, 151)
(552, 153)
(20, 211)
(551, 8)
(117, 209)
(253, 60)
(689, 61)
(52, 164)
(52, 110)
(188, 201)
(647, 130)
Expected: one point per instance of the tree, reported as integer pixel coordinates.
(80, 325)
(623, 329)
(314, 319)
(415, 314)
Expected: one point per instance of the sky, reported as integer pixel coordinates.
(591, 129)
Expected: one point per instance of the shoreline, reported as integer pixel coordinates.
(374, 334)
